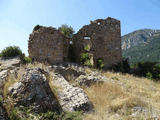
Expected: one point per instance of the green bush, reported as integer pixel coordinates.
(87, 63)
(85, 59)
(13, 115)
(36, 27)
(66, 30)
(145, 67)
(27, 60)
(63, 116)
(87, 48)
(11, 51)
(151, 70)
(100, 64)
(149, 75)
(121, 67)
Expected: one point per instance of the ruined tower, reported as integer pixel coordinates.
(48, 44)
(102, 38)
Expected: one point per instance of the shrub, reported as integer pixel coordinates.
(11, 51)
(27, 60)
(63, 116)
(149, 75)
(87, 48)
(87, 63)
(13, 115)
(66, 30)
(100, 64)
(85, 59)
(36, 27)
(151, 70)
(145, 67)
(121, 67)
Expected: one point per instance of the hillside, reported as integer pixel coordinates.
(43, 92)
(142, 45)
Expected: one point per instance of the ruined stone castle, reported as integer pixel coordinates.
(48, 44)
(101, 37)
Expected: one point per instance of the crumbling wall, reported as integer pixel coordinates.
(103, 36)
(48, 44)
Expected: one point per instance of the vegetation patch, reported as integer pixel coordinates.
(100, 63)
(63, 116)
(150, 70)
(146, 51)
(11, 51)
(37, 27)
(27, 60)
(26, 113)
(66, 30)
(123, 66)
(10, 81)
(85, 59)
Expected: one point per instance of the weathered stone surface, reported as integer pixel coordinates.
(103, 41)
(83, 80)
(71, 98)
(9, 63)
(69, 71)
(153, 114)
(48, 44)
(77, 74)
(34, 91)
(3, 77)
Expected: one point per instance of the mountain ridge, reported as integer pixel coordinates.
(142, 45)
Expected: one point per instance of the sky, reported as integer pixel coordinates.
(18, 17)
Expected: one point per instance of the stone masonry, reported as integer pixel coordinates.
(48, 44)
(103, 39)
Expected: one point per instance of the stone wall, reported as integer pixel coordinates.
(103, 39)
(48, 44)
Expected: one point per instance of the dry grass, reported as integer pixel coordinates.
(147, 90)
(35, 65)
(114, 100)
(109, 99)
(54, 87)
(12, 78)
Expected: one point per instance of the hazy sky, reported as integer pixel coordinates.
(18, 17)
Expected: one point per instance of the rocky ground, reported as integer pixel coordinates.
(41, 88)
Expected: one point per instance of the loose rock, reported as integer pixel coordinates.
(34, 91)
(71, 98)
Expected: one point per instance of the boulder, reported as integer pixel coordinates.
(34, 91)
(89, 80)
(71, 98)
(9, 63)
